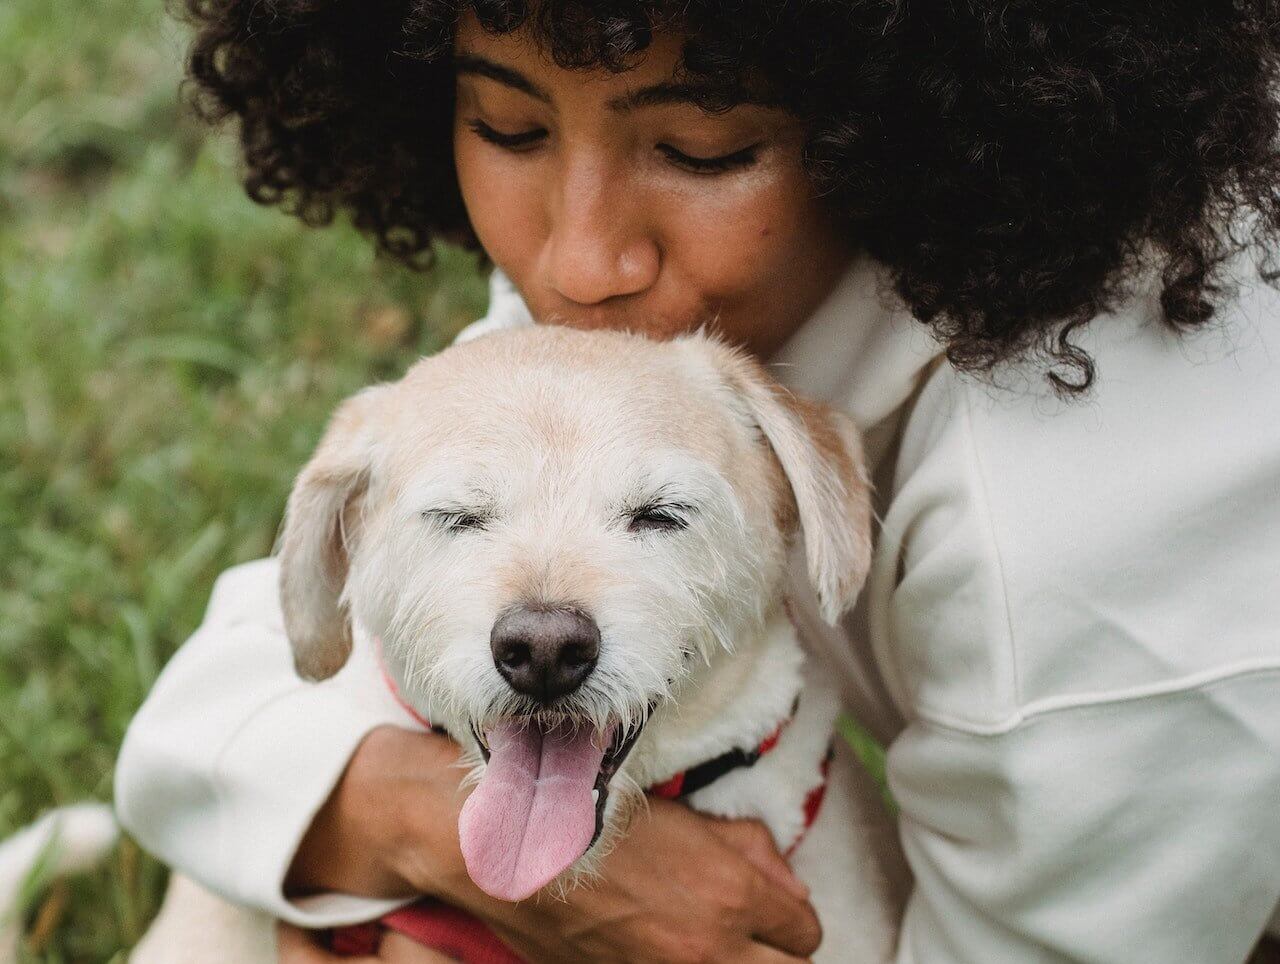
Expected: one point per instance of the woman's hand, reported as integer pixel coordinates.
(680, 886)
(390, 824)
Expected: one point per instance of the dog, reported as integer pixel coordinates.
(64, 841)
(572, 550)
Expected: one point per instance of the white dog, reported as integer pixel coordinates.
(571, 548)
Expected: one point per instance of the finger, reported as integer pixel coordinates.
(783, 922)
(753, 841)
(296, 946)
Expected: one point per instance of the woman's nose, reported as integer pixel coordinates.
(600, 245)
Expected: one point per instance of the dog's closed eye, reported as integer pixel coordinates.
(456, 519)
(659, 517)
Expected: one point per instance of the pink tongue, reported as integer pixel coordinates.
(532, 815)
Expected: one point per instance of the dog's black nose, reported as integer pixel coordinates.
(545, 653)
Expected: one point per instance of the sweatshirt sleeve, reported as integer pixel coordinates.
(1074, 620)
(232, 754)
(1134, 831)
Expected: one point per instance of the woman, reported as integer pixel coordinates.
(1068, 640)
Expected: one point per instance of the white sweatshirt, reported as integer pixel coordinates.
(1070, 642)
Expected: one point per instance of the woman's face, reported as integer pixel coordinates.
(613, 201)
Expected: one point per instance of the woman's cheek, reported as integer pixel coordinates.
(733, 246)
(503, 196)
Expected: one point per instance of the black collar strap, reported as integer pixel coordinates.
(695, 778)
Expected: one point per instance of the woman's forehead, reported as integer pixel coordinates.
(653, 77)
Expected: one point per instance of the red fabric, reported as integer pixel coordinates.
(812, 804)
(669, 789)
(770, 741)
(395, 690)
(433, 924)
(452, 931)
(356, 940)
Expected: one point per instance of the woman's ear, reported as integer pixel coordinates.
(321, 523)
(820, 451)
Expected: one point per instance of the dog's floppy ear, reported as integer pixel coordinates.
(315, 541)
(820, 451)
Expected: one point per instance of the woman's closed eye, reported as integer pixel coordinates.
(519, 141)
(732, 161)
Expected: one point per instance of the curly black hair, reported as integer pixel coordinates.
(1015, 163)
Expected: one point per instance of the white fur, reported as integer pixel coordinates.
(551, 457)
(71, 839)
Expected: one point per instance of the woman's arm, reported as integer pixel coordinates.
(232, 754)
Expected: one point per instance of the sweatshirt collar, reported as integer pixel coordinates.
(861, 351)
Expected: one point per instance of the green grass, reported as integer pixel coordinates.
(168, 355)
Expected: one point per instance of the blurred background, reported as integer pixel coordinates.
(168, 355)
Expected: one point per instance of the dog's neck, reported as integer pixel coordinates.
(734, 703)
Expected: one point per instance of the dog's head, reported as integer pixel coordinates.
(552, 532)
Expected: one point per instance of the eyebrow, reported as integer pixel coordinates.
(684, 93)
(471, 64)
(653, 96)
